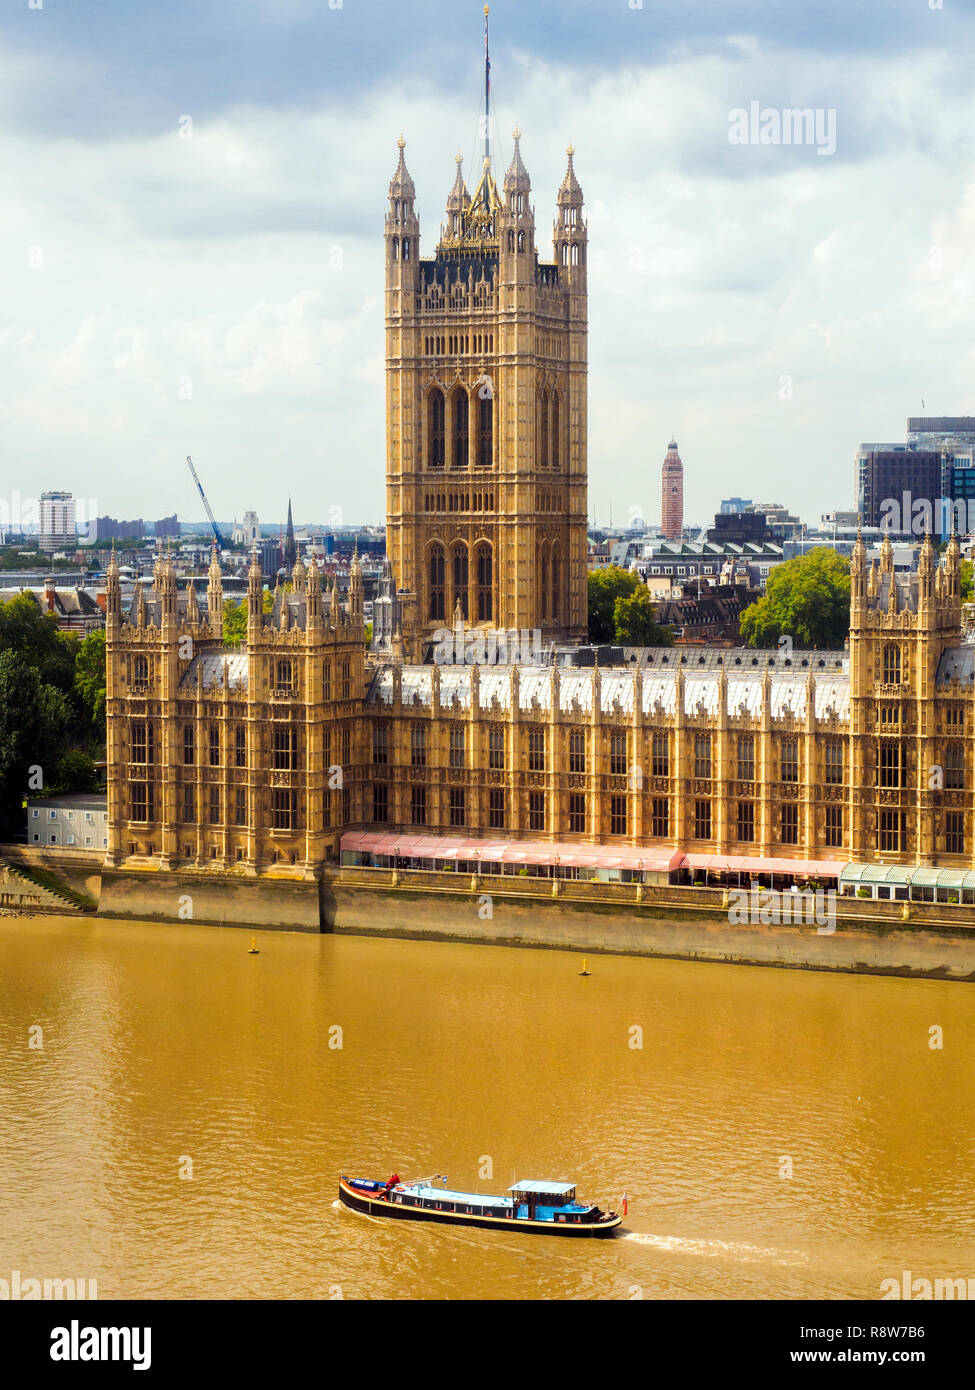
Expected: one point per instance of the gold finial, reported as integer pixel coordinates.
(517, 132)
(487, 11)
(401, 142)
(570, 149)
(459, 157)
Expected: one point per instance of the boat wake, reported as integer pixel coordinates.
(717, 1249)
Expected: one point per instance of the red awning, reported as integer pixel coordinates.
(557, 852)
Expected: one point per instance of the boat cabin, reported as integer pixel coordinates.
(547, 1201)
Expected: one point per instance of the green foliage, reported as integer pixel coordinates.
(966, 580)
(75, 772)
(635, 621)
(234, 622)
(52, 707)
(807, 599)
(605, 586)
(235, 618)
(35, 722)
(89, 680)
(35, 636)
(15, 557)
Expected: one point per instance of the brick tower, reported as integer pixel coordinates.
(672, 494)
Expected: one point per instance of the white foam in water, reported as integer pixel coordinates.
(717, 1249)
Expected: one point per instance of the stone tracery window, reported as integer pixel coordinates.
(485, 583)
(435, 429)
(461, 418)
(437, 586)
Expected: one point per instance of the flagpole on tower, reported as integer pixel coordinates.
(487, 89)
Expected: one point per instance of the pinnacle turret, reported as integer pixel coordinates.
(517, 180)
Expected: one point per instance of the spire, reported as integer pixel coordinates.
(401, 185)
(356, 595)
(290, 549)
(113, 595)
(255, 595)
(516, 180)
(458, 197)
(570, 192)
(886, 555)
(215, 592)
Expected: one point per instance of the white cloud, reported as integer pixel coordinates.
(244, 266)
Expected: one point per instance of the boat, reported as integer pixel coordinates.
(532, 1205)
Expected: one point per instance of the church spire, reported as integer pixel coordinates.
(290, 549)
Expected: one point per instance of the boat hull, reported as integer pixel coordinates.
(377, 1207)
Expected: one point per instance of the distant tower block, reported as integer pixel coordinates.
(672, 494)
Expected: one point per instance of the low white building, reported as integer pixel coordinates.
(71, 822)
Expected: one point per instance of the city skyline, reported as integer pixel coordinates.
(221, 293)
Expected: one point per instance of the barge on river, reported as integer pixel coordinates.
(547, 1208)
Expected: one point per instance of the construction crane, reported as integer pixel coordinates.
(199, 486)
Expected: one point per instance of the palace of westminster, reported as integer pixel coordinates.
(258, 759)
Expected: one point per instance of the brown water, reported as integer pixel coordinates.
(165, 1042)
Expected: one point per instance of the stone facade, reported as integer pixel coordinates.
(486, 409)
(258, 759)
(242, 758)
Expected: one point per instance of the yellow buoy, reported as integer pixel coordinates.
(253, 950)
(585, 967)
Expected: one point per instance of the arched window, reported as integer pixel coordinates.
(461, 577)
(406, 249)
(140, 670)
(511, 241)
(543, 584)
(460, 423)
(521, 241)
(435, 430)
(556, 582)
(575, 254)
(556, 450)
(565, 254)
(892, 665)
(485, 581)
(485, 431)
(395, 248)
(543, 429)
(437, 589)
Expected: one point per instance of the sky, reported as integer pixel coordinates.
(191, 236)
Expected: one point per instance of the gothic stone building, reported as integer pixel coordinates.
(260, 760)
(486, 408)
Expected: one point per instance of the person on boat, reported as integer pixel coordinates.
(390, 1185)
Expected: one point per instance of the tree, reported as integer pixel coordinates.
(34, 724)
(966, 583)
(807, 599)
(35, 636)
(234, 622)
(89, 681)
(76, 772)
(235, 618)
(605, 586)
(635, 621)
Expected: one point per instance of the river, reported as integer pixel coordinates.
(178, 1126)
